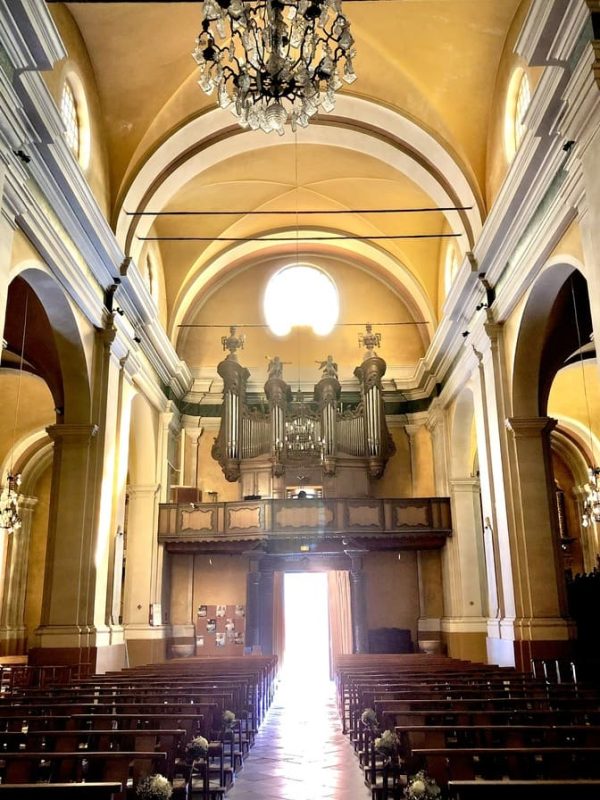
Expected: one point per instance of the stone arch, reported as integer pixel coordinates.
(529, 396)
(67, 337)
(358, 125)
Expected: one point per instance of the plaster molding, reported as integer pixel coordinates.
(581, 120)
(530, 427)
(462, 624)
(550, 30)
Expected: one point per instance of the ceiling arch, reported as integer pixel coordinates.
(359, 125)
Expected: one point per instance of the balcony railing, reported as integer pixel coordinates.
(409, 520)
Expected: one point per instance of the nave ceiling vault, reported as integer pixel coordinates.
(432, 65)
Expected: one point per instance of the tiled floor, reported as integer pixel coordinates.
(300, 753)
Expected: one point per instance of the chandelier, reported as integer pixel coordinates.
(10, 521)
(274, 61)
(591, 502)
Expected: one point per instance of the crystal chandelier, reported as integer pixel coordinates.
(591, 502)
(274, 61)
(10, 521)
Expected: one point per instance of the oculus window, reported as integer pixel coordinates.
(301, 295)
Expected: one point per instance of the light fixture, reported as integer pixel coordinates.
(274, 61)
(10, 519)
(591, 500)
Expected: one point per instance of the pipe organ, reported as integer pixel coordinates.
(299, 432)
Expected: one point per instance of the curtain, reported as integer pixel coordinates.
(278, 618)
(340, 616)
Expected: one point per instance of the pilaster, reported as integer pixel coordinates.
(12, 624)
(358, 602)
(142, 589)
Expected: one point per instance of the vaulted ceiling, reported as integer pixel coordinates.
(412, 131)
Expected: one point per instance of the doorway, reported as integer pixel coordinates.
(306, 620)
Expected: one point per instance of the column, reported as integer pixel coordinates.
(464, 623)
(67, 623)
(489, 390)
(253, 605)
(6, 242)
(358, 603)
(421, 459)
(112, 398)
(168, 438)
(437, 426)
(12, 624)
(145, 641)
(266, 611)
(540, 630)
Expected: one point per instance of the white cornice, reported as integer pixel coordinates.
(581, 120)
(29, 35)
(550, 30)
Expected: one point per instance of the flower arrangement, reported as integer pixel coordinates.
(196, 748)
(228, 719)
(154, 787)
(387, 743)
(422, 787)
(369, 719)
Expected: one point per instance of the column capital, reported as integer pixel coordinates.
(412, 430)
(27, 502)
(530, 427)
(71, 432)
(469, 484)
(143, 490)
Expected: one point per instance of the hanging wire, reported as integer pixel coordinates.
(18, 401)
(585, 393)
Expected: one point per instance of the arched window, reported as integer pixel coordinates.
(521, 106)
(451, 267)
(301, 295)
(70, 117)
(517, 103)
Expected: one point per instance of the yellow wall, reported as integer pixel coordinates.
(221, 583)
(392, 591)
(497, 161)
(78, 62)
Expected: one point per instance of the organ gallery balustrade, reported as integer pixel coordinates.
(413, 522)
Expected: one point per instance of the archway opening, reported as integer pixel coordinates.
(306, 658)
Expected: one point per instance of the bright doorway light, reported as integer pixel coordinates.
(306, 619)
(301, 295)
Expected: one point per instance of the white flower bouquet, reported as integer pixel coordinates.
(369, 719)
(387, 744)
(196, 748)
(228, 719)
(154, 787)
(422, 787)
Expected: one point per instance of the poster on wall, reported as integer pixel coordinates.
(220, 629)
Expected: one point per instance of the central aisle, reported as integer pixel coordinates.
(300, 752)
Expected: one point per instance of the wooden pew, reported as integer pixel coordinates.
(586, 789)
(120, 767)
(469, 763)
(58, 791)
